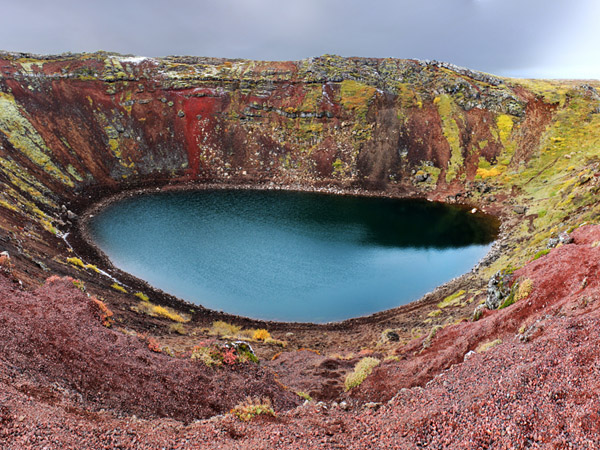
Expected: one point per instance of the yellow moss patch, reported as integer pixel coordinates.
(452, 300)
(142, 296)
(486, 173)
(356, 96)
(118, 287)
(447, 112)
(504, 123)
(76, 262)
(161, 311)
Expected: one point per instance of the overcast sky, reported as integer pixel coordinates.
(526, 38)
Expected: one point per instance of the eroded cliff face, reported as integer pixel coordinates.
(91, 123)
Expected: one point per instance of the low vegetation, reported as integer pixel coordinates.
(145, 307)
(362, 370)
(252, 407)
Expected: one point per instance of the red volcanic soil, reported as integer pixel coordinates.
(68, 382)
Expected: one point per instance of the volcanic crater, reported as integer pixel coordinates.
(93, 357)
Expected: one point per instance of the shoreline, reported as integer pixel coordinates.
(81, 229)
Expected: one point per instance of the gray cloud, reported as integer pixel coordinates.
(553, 38)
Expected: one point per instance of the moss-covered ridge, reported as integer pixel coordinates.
(102, 122)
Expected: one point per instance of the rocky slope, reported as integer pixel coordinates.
(77, 129)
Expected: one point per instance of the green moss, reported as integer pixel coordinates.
(24, 137)
(447, 111)
(541, 253)
(356, 97)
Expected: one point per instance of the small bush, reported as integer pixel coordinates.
(305, 396)
(221, 328)
(209, 355)
(362, 370)
(118, 287)
(524, 289)
(261, 335)
(541, 253)
(253, 407)
(79, 285)
(177, 328)
(105, 313)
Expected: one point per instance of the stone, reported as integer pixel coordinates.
(391, 335)
(421, 177)
(562, 238)
(519, 209)
(5, 264)
(498, 289)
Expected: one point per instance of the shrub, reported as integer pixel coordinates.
(261, 335)
(222, 328)
(177, 328)
(362, 370)
(210, 355)
(305, 396)
(524, 289)
(253, 407)
(79, 285)
(105, 313)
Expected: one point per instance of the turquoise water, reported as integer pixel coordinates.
(291, 256)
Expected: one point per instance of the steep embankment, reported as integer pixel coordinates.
(76, 129)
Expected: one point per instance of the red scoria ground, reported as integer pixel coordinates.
(68, 382)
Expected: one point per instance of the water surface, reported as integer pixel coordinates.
(291, 256)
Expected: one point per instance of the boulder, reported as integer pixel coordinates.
(498, 289)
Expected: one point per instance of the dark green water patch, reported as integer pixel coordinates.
(291, 256)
